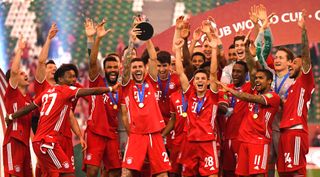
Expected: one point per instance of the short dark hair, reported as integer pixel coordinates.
(113, 54)
(63, 69)
(164, 57)
(290, 55)
(50, 62)
(232, 46)
(199, 54)
(137, 60)
(205, 64)
(109, 58)
(201, 71)
(145, 55)
(8, 74)
(236, 38)
(267, 73)
(244, 64)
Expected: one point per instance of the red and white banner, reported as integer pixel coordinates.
(234, 17)
(3, 86)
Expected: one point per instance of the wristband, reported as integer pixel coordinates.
(220, 47)
(110, 89)
(10, 117)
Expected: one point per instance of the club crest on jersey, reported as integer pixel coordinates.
(65, 164)
(171, 85)
(17, 168)
(129, 160)
(89, 156)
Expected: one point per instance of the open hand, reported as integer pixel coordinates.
(101, 31)
(89, 27)
(53, 31)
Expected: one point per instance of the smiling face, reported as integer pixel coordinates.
(69, 78)
(295, 68)
(197, 61)
(240, 49)
(111, 70)
(281, 61)
(163, 69)
(138, 71)
(201, 82)
(262, 82)
(238, 75)
(50, 70)
(23, 79)
(232, 54)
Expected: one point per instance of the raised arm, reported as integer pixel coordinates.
(306, 60)
(180, 71)
(96, 90)
(177, 31)
(214, 65)
(90, 32)
(197, 33)
(153, 59)
(15, 67)
(94, 65)
(41, 67)
(128, 55)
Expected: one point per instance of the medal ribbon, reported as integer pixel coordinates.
(113, 100)
(184, 103)
(164, 92)
(281, 84)
(200, 104)
(141, 92)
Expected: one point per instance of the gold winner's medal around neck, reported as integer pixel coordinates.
(115, 106)
(255, 116)
(141, 105)
(184, 114)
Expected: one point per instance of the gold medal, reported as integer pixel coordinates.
(115, 106)
(141, 105)
(184, 114)
(255, 116)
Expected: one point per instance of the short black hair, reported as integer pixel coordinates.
(199, 54)
(8, 74)
(267, 73)
(232, 46)
(63, 69)
(50, 62)
(109, 58)
(244, 64)
(290, 55)
(201, 71)
(205, 64)
(236, 38)
(137, 59)
(164, 57)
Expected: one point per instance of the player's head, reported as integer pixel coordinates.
(263, 80)
(50, 69)
(201, 80)
(145, 55)
(163, 63)
(138, 69)
(115, 55)
(66, 74)
(206, 66)
(232, 53)
(295, 67)
(198, 59)
(206, 49)
(23, 79)
(239, 73)
(282, 59)
(111, 69)
(240, 47)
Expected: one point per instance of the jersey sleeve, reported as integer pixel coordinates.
(38, 100)
(97, 82)
(272, 99)
(223, 97)
(70, 91)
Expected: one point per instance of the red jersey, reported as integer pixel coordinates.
(240, 110)
(256, 126)
(164, 89)
(40, 87)
(295, 109)
(201, 119)
(19, 128)
(146, 119)
(54, 104)
(178, 106)
(111, 105)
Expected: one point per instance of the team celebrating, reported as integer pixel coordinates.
(192, 111)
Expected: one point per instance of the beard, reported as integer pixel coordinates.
(108, 76)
